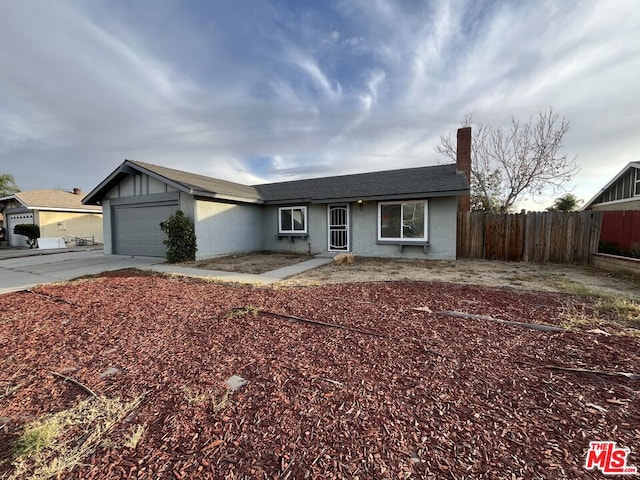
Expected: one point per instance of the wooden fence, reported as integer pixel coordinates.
(555, 237)
(621, 228)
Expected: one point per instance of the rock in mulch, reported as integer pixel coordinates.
(110, 372)
(235, 382)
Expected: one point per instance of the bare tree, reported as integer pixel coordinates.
(510, 164)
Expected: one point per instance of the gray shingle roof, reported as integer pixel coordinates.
(201, 183)
(420, 182)
(437, 180)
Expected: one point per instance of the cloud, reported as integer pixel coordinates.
(310, 67)
(271, 91)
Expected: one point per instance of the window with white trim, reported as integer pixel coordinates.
(637, 192)
(403, 221)
(292, 220)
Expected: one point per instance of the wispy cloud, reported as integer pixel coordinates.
(310, 67)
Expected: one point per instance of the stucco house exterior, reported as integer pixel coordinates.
(621, 193)
(58, 213)
(396, 213)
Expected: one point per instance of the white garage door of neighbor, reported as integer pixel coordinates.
(136, 229)
(14, 219)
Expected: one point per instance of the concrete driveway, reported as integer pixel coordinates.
(24, 269)
(27, 271)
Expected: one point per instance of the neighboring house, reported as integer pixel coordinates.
(410, 212)
(58, 213)
(621, 193)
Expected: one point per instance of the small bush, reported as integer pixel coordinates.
(181, 241)
(29, 230)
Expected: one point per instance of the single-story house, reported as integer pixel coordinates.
(57, 212)
(410, 212)
(621, 193)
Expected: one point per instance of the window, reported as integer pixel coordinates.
(637, 181)
(405, 221)
(292, 220)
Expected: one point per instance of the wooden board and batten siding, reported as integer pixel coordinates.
(554, 237)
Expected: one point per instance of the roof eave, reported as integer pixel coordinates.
(65, 209)
(228, 198)
(95, 196)
(16, 198)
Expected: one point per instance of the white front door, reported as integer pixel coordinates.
(338, 222)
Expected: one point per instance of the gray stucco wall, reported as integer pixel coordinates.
(187, 204)
(364, 232)
(224, 228)
(317, 232)
(442, 215)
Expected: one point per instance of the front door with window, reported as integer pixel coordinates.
(338, 222)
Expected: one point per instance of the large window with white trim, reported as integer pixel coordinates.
(403, 221)
(292, 220)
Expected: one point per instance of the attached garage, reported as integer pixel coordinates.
(136, 228)
(136, 197)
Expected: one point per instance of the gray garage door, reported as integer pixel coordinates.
(136, 229)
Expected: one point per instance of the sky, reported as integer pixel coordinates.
(265, 91)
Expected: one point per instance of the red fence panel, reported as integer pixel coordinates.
(621, 227)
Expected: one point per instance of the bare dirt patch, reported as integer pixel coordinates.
(412, 394)
(256, 263)
(519, 275)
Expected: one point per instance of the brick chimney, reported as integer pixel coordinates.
(463, 164)
(77, 191)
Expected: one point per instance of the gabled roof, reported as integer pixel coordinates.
(439, 180)
(613, 180)
(191, 183)
(57, 200)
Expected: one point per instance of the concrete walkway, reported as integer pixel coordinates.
(22, 271)
(266, 278)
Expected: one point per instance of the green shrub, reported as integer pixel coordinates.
(181, 238)
(29, 230)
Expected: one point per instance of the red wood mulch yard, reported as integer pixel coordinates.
(444, 397)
